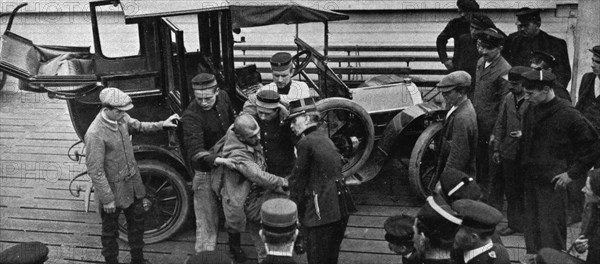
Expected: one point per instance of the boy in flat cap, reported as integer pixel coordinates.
(507, 134)
(279, 229)
(544, 61)
(313, 185)
(491, 87)
(288, 89)
(205, 121)
(399, 235)
(473, 243)
(529, 37)
(453, 30)
(590, 228)
(114, 172)
(559, 145)
(459, 133)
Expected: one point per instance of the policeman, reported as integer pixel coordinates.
(473, 243)
(288, 89)
(25, 253)
(279, 229)
(399, 235)
(545, 61)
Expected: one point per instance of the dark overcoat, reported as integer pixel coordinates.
(495, 255)
(588, 103)
(459, 140)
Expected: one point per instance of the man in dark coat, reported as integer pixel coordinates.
(313, 186)
(205, 121)
(558, 145)
(491, 87)
(507, 134)
(454, 29)
(459, 133)
(544, 61)
(529, 37)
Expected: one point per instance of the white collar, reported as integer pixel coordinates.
(436, 253)
(286, 253)
(471, 254)
(452, 109)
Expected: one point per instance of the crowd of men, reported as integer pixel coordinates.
(510, 131)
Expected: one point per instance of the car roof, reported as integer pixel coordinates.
(244, 13)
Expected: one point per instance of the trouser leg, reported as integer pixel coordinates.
(496, 188)
(576, 200)
(261, 251)
(206, 211)
(323, 242)
(552, 217)
(135, 230)
(483, 169)
(532, 231)
(110, 227)
(513, 183)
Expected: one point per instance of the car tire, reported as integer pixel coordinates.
(354, 136)
(423, 161)
(168, 192)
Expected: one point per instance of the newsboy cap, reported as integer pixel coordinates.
(267, 98)
(399, 229)
(281, 61)
(116, 98)
(458, 185)
(515, 73)
(492, 37)
(204, 81)
(25, 253)
(481, 22)
(526, 15)
(302, 106)
(554, 256)
(467, 5)
(477, 216)
(453, 80)
(279, 216)
(545, 57)
(596, 51)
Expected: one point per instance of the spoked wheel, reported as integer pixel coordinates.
(350, 128)
(167, 191)
(423, 161)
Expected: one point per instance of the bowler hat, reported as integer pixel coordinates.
(477, 216)
(25, 253)
(467, 5)
(491, 37)
(281, 61)
(453, 80)
(458, 185)
(204, 81)
(279, 216)
(526, 14)
(267, 98)
(116, 98)
(545, 57)
(302, 106)
(516, 73)
(399, 229)
(596, 51)
(554, 256)
(481, 22)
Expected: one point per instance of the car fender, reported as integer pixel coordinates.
(171, 157)
(393, 130)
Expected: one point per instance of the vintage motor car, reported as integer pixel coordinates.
(369, 124)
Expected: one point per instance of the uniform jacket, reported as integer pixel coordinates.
(110, 161)
(234, 185)
(490, 89)
(588, 104)
(312, 183)
(459, 140)
(203, 128)
(293, 91)
(517, 51)
(456, 27)
(495, 255)
(508, 128)
(271, 259)
(557, 139)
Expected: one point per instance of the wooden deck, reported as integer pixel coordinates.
(35, 204)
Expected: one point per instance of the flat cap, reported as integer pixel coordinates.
(267, 98)
(491, 37)
(554, 256)
(467, 5)
(458, 185)
(279, 215)
(25, 253)
(596, 51)
(526, 14)
(515, 73)
(115, 98)
(481, 22)
(209, 257)
(545, 57)
(437, 219)
(399, 229)
(539, 77)
(302, 106)
(281, 61)
(477, 216)
(204, 81)
(453, 80)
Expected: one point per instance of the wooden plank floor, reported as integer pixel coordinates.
(35, 204)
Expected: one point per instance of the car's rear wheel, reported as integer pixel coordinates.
(167, 191)
(350, 128)
(423, 161)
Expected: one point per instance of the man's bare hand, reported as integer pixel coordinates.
(110, 208)
(496, 157)
(581, 244)
(171, 122)
(561, 180)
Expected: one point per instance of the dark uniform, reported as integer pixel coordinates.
(279, 218)
(479, 218)
(313, 188)
(556, 139)
(518, 48)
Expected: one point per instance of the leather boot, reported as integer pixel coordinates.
(235, 247)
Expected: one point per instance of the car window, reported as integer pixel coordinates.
(116, 38)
